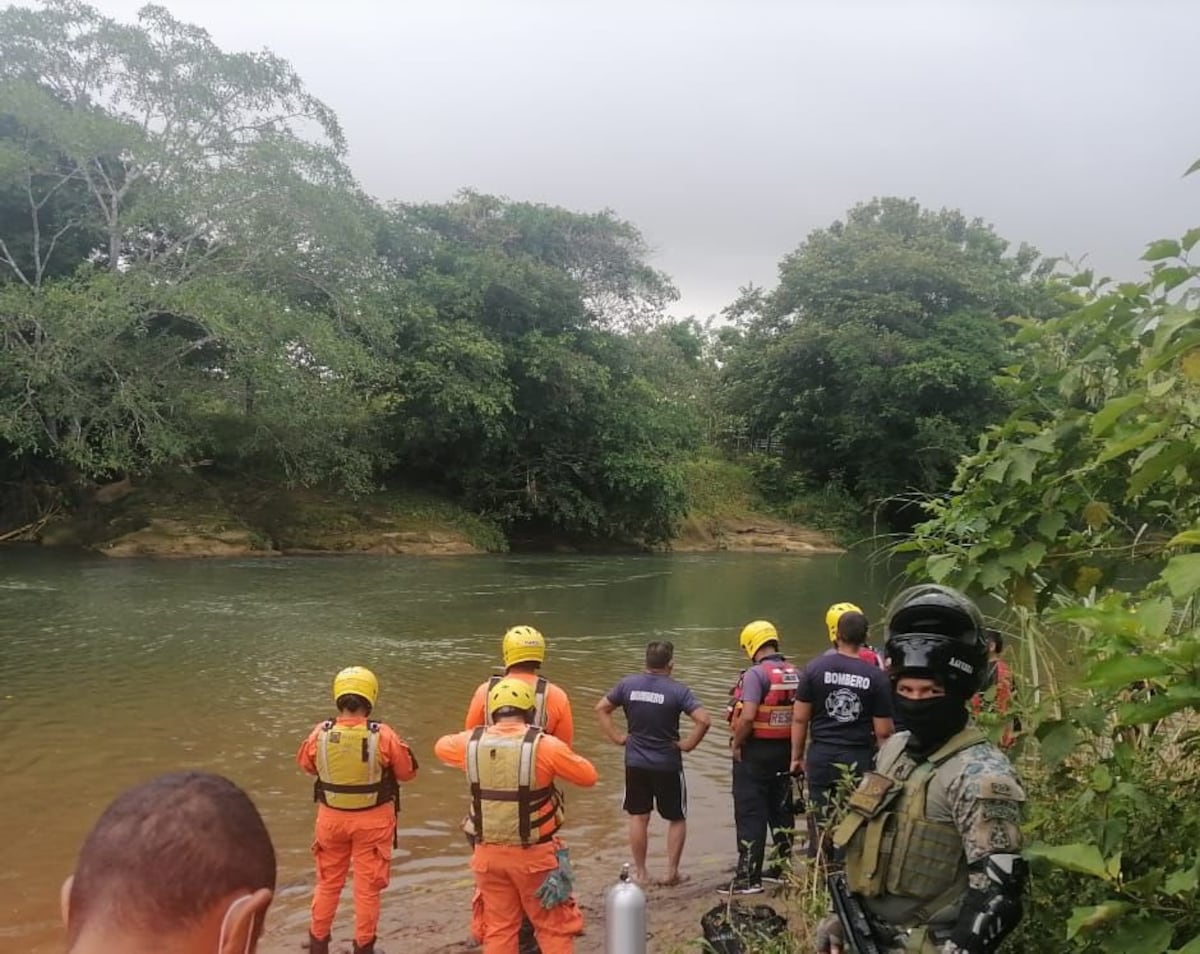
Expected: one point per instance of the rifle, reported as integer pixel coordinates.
(854, 920)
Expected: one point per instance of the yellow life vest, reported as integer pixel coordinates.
(539, 701)
(349, 776)
(506, 808)
(892, 848)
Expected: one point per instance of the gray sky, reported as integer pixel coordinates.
(729, 130)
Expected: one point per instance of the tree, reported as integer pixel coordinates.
(872, 360)
(186, 266)
(512, 385)
(174, 149)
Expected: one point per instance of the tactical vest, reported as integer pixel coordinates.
(773, 719)
(506, 808)
(539, 701)
(349, 776)
(891, 847)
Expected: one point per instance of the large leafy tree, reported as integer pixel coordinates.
(513, 384)
(186, 267)
(872, 361)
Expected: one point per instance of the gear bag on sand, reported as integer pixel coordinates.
(736, 929)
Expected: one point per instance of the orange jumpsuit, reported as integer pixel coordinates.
(506, 876)
(560, 723)
(362, 837)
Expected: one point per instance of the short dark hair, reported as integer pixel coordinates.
(165, 852)
(353, 702)
(852, 629)
(995, 637)
(659, 654)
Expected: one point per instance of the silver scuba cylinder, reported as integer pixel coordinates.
(625, 917)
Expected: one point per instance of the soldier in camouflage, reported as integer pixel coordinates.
(932, 840)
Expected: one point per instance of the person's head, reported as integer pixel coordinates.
(182, 862)
(511, 700)
(936, 659)
(759, 638)
(852, 629)
(355, 690)
(834, 614)
(995, 642)
(523, 647)
(660, 655)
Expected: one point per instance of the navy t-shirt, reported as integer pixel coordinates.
(846, 694)
(652, 704)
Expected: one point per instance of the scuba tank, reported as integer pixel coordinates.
(625, 917)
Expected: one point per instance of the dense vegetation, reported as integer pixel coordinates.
(1080, 513)
(190, 273)
(190, 277)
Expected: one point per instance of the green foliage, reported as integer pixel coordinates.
(719, 488)
(189, 272)
(1080, 510)
(873, 360)
(512, 387)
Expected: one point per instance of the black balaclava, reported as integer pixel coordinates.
(931, 721)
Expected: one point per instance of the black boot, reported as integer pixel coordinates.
(368, 948)
(316, 946)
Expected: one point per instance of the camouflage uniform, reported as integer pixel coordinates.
(915, 895)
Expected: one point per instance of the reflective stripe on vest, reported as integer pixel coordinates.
(773, 719)
(892, 848)
(539, 701)
(506, 808)
(349, 775)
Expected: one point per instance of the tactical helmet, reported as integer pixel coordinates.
(511, 694)
(757, 634)
(834, 613)
(356, 681)
(523, 644)
(934, 632)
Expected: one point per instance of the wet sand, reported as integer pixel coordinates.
(434, 918)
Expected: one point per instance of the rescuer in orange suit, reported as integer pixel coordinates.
(523, 651)
(358, 764)
(521, 867)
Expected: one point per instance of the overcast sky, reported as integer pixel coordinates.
(727, 131)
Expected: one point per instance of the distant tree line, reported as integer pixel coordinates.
(189, 272)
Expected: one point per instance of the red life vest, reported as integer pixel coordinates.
(773, 719)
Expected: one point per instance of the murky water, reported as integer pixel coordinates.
(114, 671)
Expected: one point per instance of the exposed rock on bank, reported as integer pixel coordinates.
(187, 516)
(753, 533)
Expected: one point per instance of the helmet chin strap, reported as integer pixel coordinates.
(225, 924)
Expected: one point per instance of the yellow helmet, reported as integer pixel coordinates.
(755, 634)
(514, 693)
(356, 680)
(834, 613)
(523, 644)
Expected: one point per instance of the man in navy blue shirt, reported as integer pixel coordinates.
(653, 701)
(843, 711)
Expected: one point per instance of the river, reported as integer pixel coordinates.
(112, 671)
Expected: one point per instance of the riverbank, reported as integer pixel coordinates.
(188, 515)
(435, 918)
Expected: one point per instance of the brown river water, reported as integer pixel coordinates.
(114, 671)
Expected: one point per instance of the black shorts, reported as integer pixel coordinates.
(646, 789)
